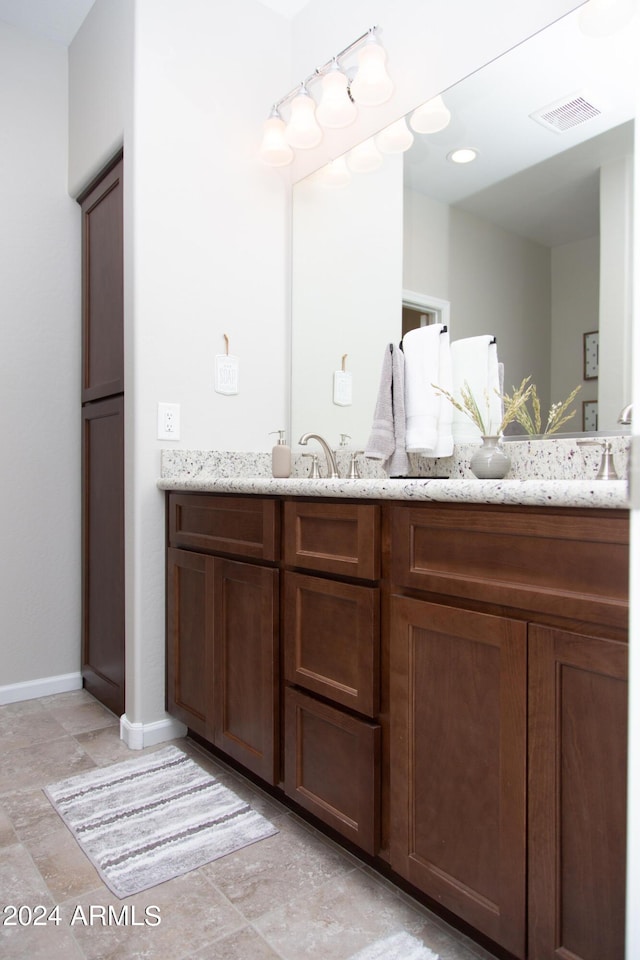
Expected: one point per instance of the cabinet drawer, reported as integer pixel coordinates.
(340, 538)
(332, 643)
(332, 767)
(571, 563)
(239, 526)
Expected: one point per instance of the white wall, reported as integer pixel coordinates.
(496, 281)
(99, 89)
(40, 368)
(575, 282)
(210, 255)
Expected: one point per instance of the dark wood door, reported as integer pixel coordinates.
(332, 640)
(458, 762)
(103, 656)
(102, 287)
(577, 796)
(332, 767)
(190, 640)
(103, 551)
(246, 675)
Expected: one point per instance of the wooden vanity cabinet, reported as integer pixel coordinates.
(508, 721)
(223, 625)
(331, 636)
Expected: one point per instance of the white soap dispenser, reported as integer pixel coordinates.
(281, 456)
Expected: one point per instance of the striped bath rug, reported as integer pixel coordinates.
(159, 816)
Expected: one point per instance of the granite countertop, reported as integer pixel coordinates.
(610, 494)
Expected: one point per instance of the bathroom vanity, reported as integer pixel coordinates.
(441, 683)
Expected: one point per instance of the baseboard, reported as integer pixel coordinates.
(44, 687)
(140, 735)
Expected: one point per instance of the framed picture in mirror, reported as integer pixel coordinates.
(590, 355)
(589, 415)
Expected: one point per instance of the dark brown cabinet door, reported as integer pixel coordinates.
(102, 288)
(458, 762)
(245, 664)
(577, 796)
(103, 551)
(189, 646)
(332, 767)
(331, 640)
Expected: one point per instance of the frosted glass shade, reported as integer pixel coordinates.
(431, 116)
(336, 108)
(334, 174)
(303, 131)
(365, 157)
(274, 149)
(372, 84)
(396, 138)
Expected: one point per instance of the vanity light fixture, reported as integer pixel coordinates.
(303, 130)
(431, 117)
(336, 108)
(274, 149)
(463, 155)
(396, 138)
(371, 85)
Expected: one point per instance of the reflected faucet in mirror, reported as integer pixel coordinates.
(332, 466)
(625, 414)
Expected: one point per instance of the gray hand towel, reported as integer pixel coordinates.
(387, 439)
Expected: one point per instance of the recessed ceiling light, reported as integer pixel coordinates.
(463, 155)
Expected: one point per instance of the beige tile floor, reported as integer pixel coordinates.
(294, 895)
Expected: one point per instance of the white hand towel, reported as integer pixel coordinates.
(474, 361)
(422, 404)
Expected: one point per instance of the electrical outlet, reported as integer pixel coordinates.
(168, 421)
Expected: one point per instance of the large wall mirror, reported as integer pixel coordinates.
(530, 242)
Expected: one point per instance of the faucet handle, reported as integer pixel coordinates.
(314, 473)
(353, 466)
(607, 468)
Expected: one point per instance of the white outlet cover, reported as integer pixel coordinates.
(168, 421)
(226, 374)
(342, 388)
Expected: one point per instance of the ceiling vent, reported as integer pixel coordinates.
(566, 113)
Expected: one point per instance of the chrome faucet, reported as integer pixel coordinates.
(625, 414)
(332, 466)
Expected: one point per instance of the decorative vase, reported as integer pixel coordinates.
(489, 462)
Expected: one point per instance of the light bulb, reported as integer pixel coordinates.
(336, 108)
(274, 149)
(303, 131)
(396, 138)
(365, 157)
(431, 116)
(372, 84)
(334, 174)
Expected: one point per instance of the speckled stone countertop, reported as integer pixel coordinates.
(223, 472)
(538, 493)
